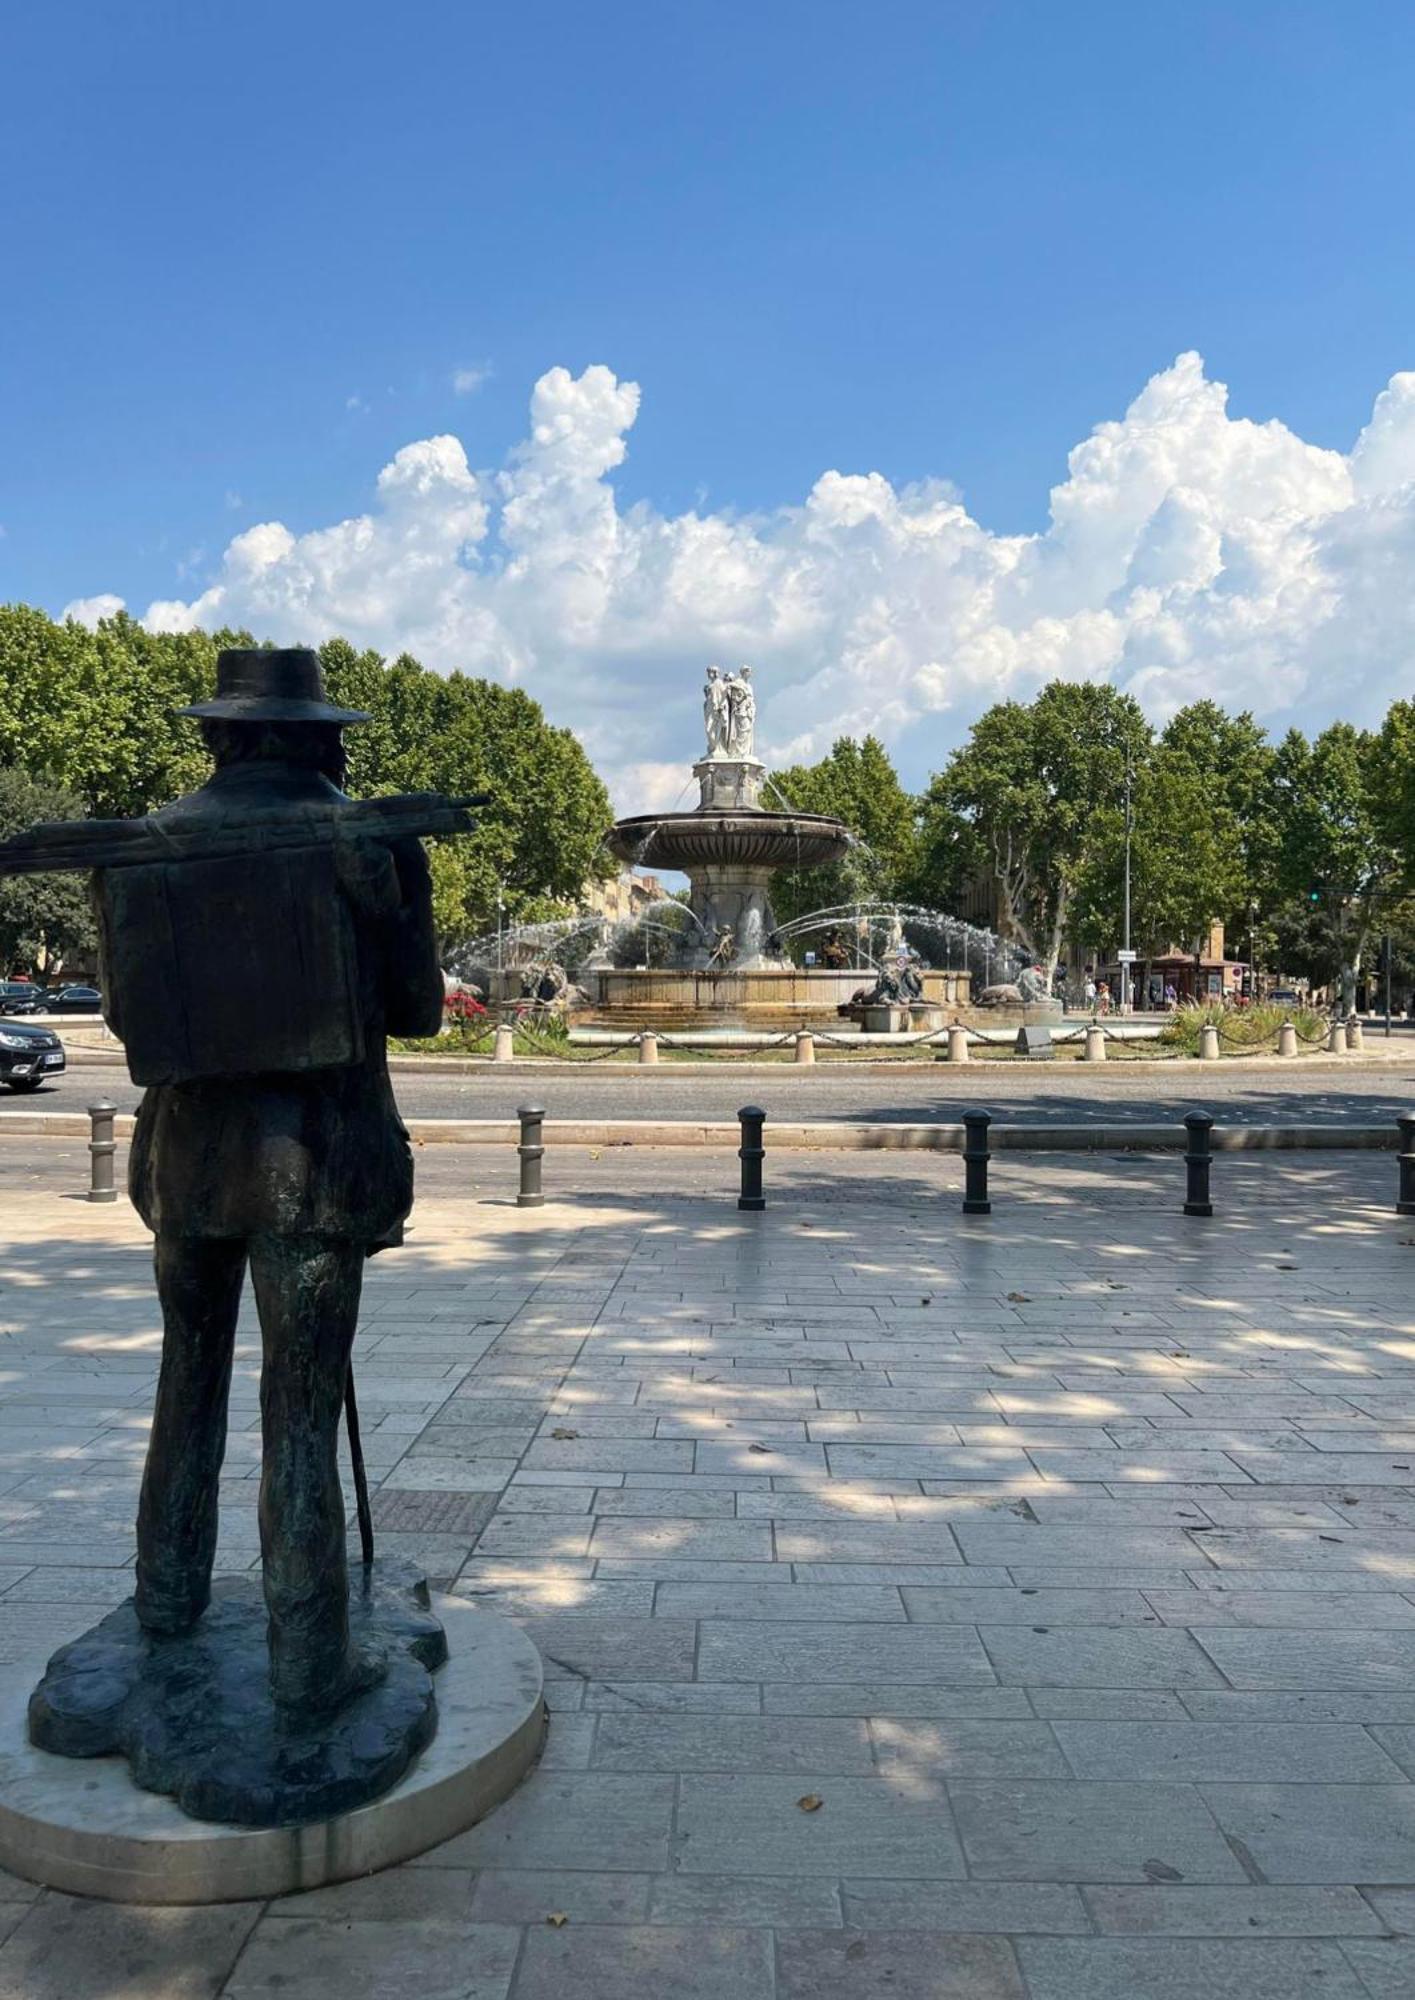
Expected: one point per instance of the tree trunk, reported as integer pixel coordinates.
(1058, 932)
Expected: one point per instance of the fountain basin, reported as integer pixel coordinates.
(763, 996)
(689, 841)
(729, 858)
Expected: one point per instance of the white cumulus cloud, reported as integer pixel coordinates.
(89, 610)
(1187, 553)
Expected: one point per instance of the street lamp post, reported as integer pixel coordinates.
(1126, 960)
(1252, 953)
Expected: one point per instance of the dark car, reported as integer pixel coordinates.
(28, 1055)
(73, 1000)
(22, 996)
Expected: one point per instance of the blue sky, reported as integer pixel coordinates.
(248, 248)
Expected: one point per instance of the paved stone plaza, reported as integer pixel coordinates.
(933, 1609)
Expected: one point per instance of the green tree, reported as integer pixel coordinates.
(539, 838)
(1204, 838)
(1342, 865)
(948, 854)
(1393, 783)
(1234, 764)
(94, 713)
(1186, 860)
(44, 919)
(855, 782)
(1036, 783)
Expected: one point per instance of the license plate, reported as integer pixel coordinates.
(55, 1061)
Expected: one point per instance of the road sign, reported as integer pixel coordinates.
(1126, 957)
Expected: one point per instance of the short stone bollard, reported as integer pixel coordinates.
(1197, 1161)
(1095, 1044)
(532, 1152)
(751, 1153)
(648, 1046)
(504, 1047)
(805, 1046)
(1355, 1040)
(1405, 1200)
(958, 1045)
(101, 1148)
(1287, 1039)
(975, 1162)
(1208, 1043)
(1336, 1039)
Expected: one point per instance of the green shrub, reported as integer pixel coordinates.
(1250, 1030)
(537, 1033)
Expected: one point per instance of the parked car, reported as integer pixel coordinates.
(28, 1055)
(22, 996)
(74, 1000)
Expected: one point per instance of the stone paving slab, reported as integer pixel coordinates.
(1155, 1969)
(1083, 1614)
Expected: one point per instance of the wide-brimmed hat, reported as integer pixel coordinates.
(284, 684)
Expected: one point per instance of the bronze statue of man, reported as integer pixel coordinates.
(298, 1171)
(260, 939)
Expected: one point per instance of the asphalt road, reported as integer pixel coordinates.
(1062, 1092)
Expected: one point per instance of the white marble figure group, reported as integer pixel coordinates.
(730, 713)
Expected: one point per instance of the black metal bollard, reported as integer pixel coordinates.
(101, 1148)
(975, 1162)
(532, 1152)
(751, 1153)
(1197, 1161)
(1406, 1127)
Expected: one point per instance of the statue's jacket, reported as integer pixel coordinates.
(253, 994)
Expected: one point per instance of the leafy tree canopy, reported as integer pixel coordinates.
(44, 919)
(856, 782)
(1035, 783)
(92, 712)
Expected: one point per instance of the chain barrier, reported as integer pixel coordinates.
(1155, 1051)
(852, 1048)
(564, 1051)
(860, 1048)
(782, 1041)
(558, 1051)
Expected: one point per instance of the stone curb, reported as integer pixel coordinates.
(833, 1136)
(82, 1056)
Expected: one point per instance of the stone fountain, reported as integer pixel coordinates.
(727, 964)
(730, 846)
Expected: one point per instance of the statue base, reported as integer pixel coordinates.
(83, 1825)
(729, 784)
(194, 1717)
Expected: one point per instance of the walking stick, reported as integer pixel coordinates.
(356, 1456)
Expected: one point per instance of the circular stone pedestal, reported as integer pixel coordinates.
(82, 1825)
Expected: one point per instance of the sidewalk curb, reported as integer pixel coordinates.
(531, 1066)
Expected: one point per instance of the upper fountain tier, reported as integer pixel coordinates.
(730, 845)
